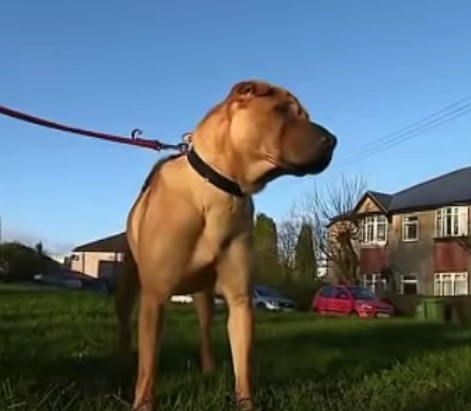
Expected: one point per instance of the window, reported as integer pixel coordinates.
(340, 293)
(327, 291)
(452, 221)
(409, 284)
(374, 282)
(374, 229)
(361, 293)
(451, 284)
(410, 228)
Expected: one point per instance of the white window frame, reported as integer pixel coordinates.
(442, 288)
(406, 222)
(372, 284)
(451, 221)
(372, 223)
(405, 280)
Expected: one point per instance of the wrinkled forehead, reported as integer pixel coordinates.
(284, 96)
(261, 90)
(281, 96)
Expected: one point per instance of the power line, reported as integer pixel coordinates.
(409, 136)
(408, 132)
(394, 134)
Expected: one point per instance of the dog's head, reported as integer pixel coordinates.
(272, 133)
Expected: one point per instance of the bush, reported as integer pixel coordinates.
(405, 305)
(458, 309)
(302, 293)
(18, 262)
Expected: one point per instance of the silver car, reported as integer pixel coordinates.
(271, 299)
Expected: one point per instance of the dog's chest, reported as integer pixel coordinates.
(222, 223)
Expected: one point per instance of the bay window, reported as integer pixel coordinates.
(451, 284)
(374, 229)
(452, 221)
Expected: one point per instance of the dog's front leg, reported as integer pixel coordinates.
(234, 279)
(204, 304)
(150, 330)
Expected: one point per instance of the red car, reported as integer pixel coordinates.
(350, 300)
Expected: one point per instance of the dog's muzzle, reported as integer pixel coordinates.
(326, 147)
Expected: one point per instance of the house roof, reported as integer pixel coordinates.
(114, 243)
(446, 189)
(383, 199)
(450, 188)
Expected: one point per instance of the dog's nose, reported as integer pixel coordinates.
(329, 140)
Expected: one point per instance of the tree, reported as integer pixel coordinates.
(266, 246)
(287, 238)
(20, 262)
(330, 211)
(39, 248)
(305, 258)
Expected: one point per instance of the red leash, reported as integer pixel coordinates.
(133, 140)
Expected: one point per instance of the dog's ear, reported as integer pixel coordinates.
(250, 89)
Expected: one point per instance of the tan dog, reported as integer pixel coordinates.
(190, 230)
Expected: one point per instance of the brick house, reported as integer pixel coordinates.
(100, 258)
(418, 239)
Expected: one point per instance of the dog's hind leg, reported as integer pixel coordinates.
(151, 313)
(204, 304)
(127, 287)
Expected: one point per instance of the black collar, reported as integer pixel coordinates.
(216, 179)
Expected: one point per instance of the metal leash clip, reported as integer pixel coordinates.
(187, 143)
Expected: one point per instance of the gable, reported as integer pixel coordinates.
(367, 206)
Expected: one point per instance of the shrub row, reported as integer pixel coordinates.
(457, 309)
(302, 294)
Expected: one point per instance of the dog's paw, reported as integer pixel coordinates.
(146, 406)
(245, 404)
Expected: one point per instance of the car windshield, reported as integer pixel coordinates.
(361, 293)
(267, 292)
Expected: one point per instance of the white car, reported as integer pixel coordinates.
(187, 299)
(181, 299)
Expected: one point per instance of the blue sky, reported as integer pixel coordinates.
(363, 68)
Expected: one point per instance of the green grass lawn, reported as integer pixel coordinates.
(57, 352)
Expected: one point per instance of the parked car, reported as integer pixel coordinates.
(219, 301)
(271, 299)
(181, 299)
(350, 300)
(187, 299)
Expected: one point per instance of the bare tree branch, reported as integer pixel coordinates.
(329, 210)
(287, 236)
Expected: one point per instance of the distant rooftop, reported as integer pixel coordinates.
(449, 188)
(114, 243)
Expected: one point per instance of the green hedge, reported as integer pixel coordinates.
(405, 305)
(458, 309)
(302, 294)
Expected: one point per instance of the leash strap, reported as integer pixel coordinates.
(133, 140)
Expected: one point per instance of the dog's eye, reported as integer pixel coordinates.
(285, 109)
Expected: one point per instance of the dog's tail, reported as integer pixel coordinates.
(127, 288)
